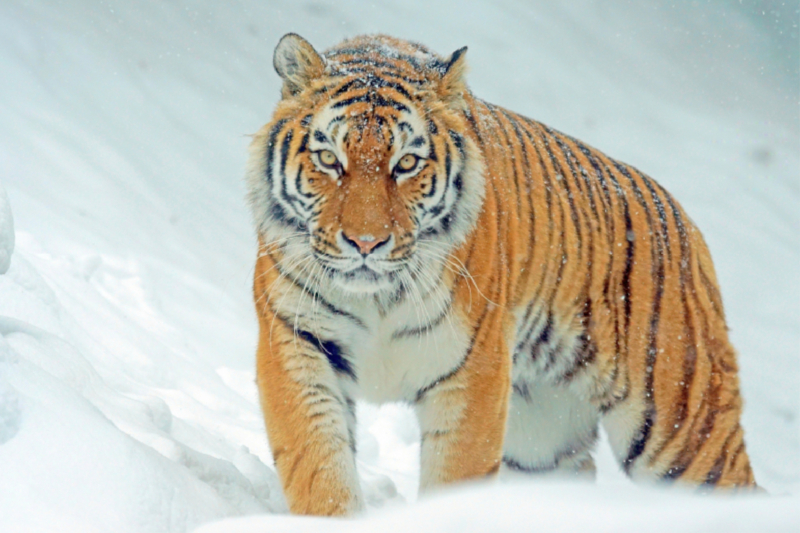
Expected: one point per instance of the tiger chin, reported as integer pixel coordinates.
(514, 285)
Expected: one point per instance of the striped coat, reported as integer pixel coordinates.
(513, 284)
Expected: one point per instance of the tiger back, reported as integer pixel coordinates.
(514, 285)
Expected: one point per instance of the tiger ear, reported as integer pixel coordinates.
(453, 84)
(296, 61)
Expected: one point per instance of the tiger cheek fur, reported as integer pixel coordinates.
(514, 285)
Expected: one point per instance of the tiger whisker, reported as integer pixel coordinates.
(437, 286)
(465, 272)
(285, 294)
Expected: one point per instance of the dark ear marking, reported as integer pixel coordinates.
(453, 84)
(454, 58)
(296, 61)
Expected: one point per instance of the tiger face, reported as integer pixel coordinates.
(365, 176)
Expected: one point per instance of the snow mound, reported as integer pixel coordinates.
(6, 232)
(100, 450)
(550, 507)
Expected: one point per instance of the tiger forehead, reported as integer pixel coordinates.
(360, 115)
(383, 55)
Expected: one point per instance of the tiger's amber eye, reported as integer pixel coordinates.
(407, 162)
(327, 158)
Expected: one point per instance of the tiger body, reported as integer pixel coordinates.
(514, 285)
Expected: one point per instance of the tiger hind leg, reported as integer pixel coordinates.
(697, 442)
(550, 431)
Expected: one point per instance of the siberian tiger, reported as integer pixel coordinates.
(514, 285)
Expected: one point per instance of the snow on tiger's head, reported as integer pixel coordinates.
(366, 165)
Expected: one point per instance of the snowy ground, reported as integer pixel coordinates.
(127, 334)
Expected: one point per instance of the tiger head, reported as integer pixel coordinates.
(366, 175)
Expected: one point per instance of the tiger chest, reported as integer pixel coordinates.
(401, 352)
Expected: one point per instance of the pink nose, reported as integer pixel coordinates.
(364, 243)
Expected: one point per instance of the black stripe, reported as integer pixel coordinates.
(367, 61)
(280, 213)
(640, 440)
(515, 465)
(608, 300)
(657, 272)
(685, 278)
(675, 471)
(416, 142)
(292, 200)
(374, 99)
(332, 351)
(572, 162)
(441, 205)
(662, 213)
(418, 331)
(303, 144)
(432, 155)
(712, 478)
(474, 124)
(527, 172)
(564, 255)
(571, 450)
(320, 137)
(385, 52)
(358, 51)
(322, 301)
(584, 354)
(444, 377)
(576, 219)
(509, 159)
(285, 145)
(550, 227)
(458, 142)
(270, 155)
(522, 390)
(625, 282)
(374, 82)
(351, 410)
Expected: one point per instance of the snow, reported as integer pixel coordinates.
(547, 507)
(127, 333)
(6, 232)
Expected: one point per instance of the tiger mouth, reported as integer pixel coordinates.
(363, 273)
(364, 279)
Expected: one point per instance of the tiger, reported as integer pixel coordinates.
(513, 285)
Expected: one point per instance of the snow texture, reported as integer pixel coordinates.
(127, 334)
(6, 232)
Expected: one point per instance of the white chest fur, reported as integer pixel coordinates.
(400, 356)
(397, 350)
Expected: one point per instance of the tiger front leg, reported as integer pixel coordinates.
(306, 420)
(462, 415)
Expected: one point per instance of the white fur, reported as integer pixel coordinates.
(547, 423)
(388, 369)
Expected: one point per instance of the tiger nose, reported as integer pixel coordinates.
(365, 244)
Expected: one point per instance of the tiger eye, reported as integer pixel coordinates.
(407, 162)
(327, 158)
